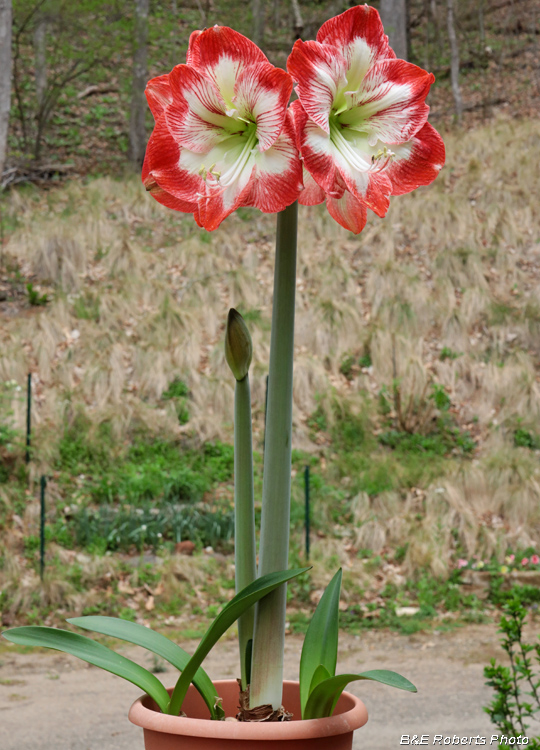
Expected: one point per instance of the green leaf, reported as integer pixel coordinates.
(94, 653)
(228, 615)
(321, 641)
(325, 695)
(158, 644)
(320, 674)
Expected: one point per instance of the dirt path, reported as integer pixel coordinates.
(49, 701)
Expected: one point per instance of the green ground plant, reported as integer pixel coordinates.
(517, 687)
(11, 442)
(440, 436)
(35, 298)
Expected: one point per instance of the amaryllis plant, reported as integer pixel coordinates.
(227, 136)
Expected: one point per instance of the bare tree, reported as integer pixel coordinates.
(394, 15)
(5, 77)
(454, 59)
(435, 19)
(40, 59)
(137, 129)
(258, 11)
(298, 22)
(481, 27)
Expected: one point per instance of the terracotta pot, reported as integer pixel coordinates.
(198, 732)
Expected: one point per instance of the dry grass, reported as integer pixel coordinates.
(141, 297)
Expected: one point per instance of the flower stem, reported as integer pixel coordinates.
(269, 638)
(244, 516)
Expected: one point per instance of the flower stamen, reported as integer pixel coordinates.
(233, 173)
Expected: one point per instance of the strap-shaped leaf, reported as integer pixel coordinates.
(157, 643)
(325, 695)
(320, 674)
(321, 641)
(92, 652)
(228, 615)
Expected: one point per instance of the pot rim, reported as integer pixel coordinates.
(352, 718)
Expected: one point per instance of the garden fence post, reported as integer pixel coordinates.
(28, 416)
(43, 484)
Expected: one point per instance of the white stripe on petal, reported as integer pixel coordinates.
(360, 57)
(224, 74)
(380, 110)
(258, 100)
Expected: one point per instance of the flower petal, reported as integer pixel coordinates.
(298, 118)
(348, 211)
(226, 185)
(270, 180)
(159, 95)
(262, 93)
(316, 149)
(320, 72)
(359, 35)
(197, 118)
(389, 105)
(158, 193)
(221, 54)
(416, 162)
(312, 194)
(343, 159)
(192, 55)
(360, 22)
(168, 200)
(161, 166)
(218, 203)
(277, 177)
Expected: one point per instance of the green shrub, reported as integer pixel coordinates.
(178, 392)
(346, 366)
(34, 298)
(447, 353)
(525, 439)
(317, 421)
(517, 687)
(176, 389)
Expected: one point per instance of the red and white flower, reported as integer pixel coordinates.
(360, 119)
(223, 137)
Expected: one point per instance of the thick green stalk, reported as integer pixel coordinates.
(244, 515)
(269, 639)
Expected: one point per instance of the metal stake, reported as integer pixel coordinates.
(28, 416)
(43, 484)
(306, 490)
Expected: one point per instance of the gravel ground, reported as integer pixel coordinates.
(49, 701)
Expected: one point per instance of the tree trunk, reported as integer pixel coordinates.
(481, 27)
(435, 20)
(40, 59)
(454, 60)
(5, 77)
(427, 41)
(137, 130)
(277, 14)
(258, 11)
(298, 22)
(394, 15)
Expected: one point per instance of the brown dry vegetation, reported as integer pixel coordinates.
(140, 296)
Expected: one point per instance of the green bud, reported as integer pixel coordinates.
(238, 347)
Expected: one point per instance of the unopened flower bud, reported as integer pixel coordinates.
(238, 347)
